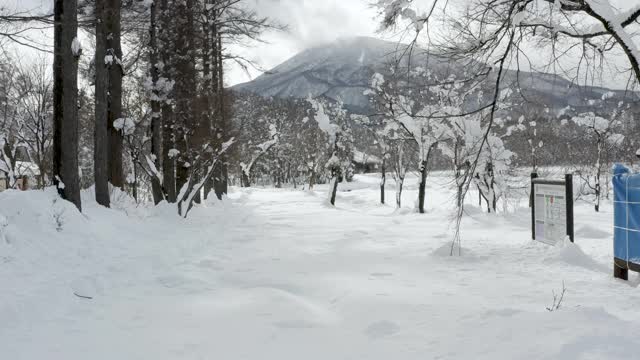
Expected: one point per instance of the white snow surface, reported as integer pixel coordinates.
(278, 274)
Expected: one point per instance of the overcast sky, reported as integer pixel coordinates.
(310, 23)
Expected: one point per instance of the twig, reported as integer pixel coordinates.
(557, 302)
(83, 296)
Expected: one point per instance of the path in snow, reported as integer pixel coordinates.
(276, 274)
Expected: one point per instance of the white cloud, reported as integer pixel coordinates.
(310, 23)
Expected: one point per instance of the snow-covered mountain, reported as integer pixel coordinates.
(339, 70)
(342, 70)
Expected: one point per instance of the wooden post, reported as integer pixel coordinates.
(532, 204)
(568, 179)
(620, 272)
(534, 175)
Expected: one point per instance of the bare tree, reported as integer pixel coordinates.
(604, 135)
(34, 131)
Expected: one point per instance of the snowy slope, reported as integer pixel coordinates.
(339, 70)
(276, 274)
(343, 69)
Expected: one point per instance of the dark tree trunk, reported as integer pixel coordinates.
(245, 179)
(312, 178)
(218, 181)
(156, 119)
(65, 105)
(214, 101)
(208, 29)
(334, 187)
(422, 186)
(221, 177)
(168, 121)
(168, 162)
(185, 92)
(134, 186)
(192, 128)
(116, 171)
(383, 180)
(101, 132)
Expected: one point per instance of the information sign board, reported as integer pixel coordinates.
(552, 210)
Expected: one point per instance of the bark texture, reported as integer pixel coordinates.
(65, 105)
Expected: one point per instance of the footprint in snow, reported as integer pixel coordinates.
(294, 324)
(380, 329)
(381, 274)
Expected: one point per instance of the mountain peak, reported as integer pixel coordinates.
(339, 70)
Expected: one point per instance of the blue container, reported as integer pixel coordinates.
(626, 218)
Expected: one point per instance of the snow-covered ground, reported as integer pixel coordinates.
(278, 274)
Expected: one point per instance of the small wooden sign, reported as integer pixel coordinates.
(551, 209)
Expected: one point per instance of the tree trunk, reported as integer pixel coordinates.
(156, 119)
(168, 118)
(222, 176)
(134, 185)
(383, 180)
(598, 172)
(116, 172)
(101, 132)
(215, 99)
(208, 30)
(399, 192)
(312, 178)
(422, 186)
(185, 93)
(333, 188)
(246, 182)
(168, 162)
(65, 104)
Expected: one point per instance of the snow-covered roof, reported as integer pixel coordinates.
(361, 158)
(22, 168)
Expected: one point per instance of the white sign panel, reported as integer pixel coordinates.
(551, 213)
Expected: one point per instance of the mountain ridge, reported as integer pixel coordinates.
(341, 71)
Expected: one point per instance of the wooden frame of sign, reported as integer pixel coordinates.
(551, 209)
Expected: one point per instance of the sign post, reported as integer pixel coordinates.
(552, 210)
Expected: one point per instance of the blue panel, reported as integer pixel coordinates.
(634, 247)
(620, 215)
(626, 214)
(619, 243)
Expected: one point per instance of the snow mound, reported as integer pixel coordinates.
(34, 214)
(571, 254)
(447, 250)
(591, 232)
